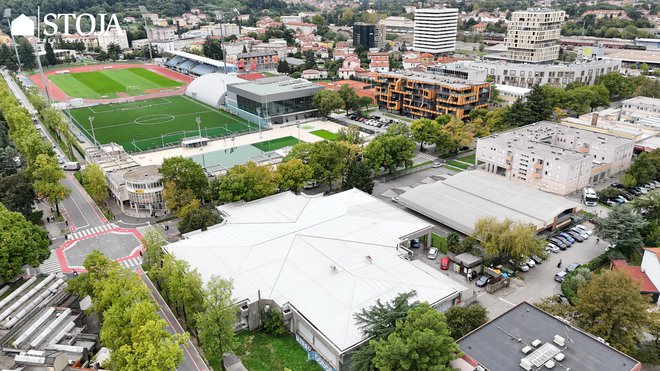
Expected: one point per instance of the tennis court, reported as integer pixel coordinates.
(156, 123)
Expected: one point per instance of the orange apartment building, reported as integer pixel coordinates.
(427, 95)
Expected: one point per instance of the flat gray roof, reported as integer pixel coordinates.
(498, 344)
(462, 199)
(274, 88)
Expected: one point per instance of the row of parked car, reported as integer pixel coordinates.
(631, 193)
(563, 240)
(373, 120)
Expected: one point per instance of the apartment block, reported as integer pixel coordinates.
(435, 30)
(428, 95)
(527, 75)
(363, 35)
(533, 35)
(554, 158)
(639, 108)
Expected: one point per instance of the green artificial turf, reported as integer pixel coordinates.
(111, 82)
(275, 144)
(154, 123)
(325, 134)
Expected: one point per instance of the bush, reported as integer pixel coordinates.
(571, 284)
(273, 322)
(607, 193)
(35, 217)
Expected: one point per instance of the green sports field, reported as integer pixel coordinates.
(111, 83)
(156, 123)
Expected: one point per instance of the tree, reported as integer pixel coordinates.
(50, 54)
(648, 206)
(48, 174)
(628, 180)
(574, 282)
(113, 51)
(611, 307)
(176, 199)
(273, 322)
(26, 53)
(212, 48)
(349, 97)
(292, 175)
(390, 150)
(420, 342)
(618, 86)
(185, 174)
(247, 182)
(462, 320)
(21, 243)
(622, 227)
(378, 322)
(454, 134)
(195, 218)
(453, 242)
(94, 182)
(327, 101)
(646, 167)
(153, 240)
(325, 158)
(359, 175)
(424, 130)
(17, 193)
(215, 324)
(506, 238)
(350, 134)
(283, 66)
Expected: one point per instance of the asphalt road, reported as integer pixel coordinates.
(192, 360)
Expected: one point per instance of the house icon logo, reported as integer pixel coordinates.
(22, 26)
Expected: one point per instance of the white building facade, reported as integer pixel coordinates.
(435, 30)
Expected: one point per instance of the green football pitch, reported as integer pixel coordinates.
(155, 123)
(110, 83)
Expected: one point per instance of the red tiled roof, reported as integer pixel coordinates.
(636, 274)
(251, 76)
(655, 250)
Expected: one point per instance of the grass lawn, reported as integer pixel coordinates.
(397, 117)
(109, 83)
(453, 168)
(325, 134)
(261, 351)
(275, 144)
(458, 164)
(155, 123)
(439, 242)
(469, 158)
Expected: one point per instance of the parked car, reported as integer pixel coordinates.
(553, 248)
(564, 240)
(567, 236)
(559, 277)
(395, 199)
(433, 253)
(627, 196)
(537, 259)
(642, 190)
(610, 246)
(444, 263)
(573, 266)
(621, 199)
(582, 233)
(463, 148)
(576, 236)
(523, 267)
(559, 243)
(414, 243)
(613, 202)
(617, 185)
(530, 262)
(483, 280)
(635, 192)
(650, 185)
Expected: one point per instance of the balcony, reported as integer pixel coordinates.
(538, 166)
(537, 175)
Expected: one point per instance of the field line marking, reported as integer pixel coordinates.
(133, 123)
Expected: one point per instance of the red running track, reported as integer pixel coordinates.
(58, 95)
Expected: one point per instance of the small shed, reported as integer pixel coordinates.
(467, 263)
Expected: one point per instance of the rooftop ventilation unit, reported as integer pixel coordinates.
(527, 349)
(550, 364)
(526, 364)
(559, 340)
(560, 357)
(536, 343)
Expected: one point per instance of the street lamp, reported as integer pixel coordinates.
(143, 11)
(259, 121)
(199, 129)
(91, 123)
(218, 16)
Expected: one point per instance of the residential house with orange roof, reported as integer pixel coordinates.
(648, 274)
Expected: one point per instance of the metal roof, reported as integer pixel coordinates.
(284, 247)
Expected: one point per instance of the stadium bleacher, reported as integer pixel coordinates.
(196, 65)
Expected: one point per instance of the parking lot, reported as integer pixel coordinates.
(530, 286)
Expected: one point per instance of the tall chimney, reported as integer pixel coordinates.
(594, 119)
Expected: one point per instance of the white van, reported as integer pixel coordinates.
(589, 197)
(71, 166)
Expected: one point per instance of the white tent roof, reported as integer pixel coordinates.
(284, 247)
(199, 58)
(212, 87)
(462, 199)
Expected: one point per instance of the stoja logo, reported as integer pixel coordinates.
(112, 22)
(24, 26)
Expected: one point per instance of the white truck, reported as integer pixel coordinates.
(589, 197)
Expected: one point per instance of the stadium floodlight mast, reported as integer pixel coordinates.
(198, 120)
(143, 11)
(7, 15)
(91, 123)
(218, 16)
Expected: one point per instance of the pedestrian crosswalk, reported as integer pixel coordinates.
(132, 263)
(51, 265)
(90, 231)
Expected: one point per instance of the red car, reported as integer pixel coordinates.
(444, 263)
